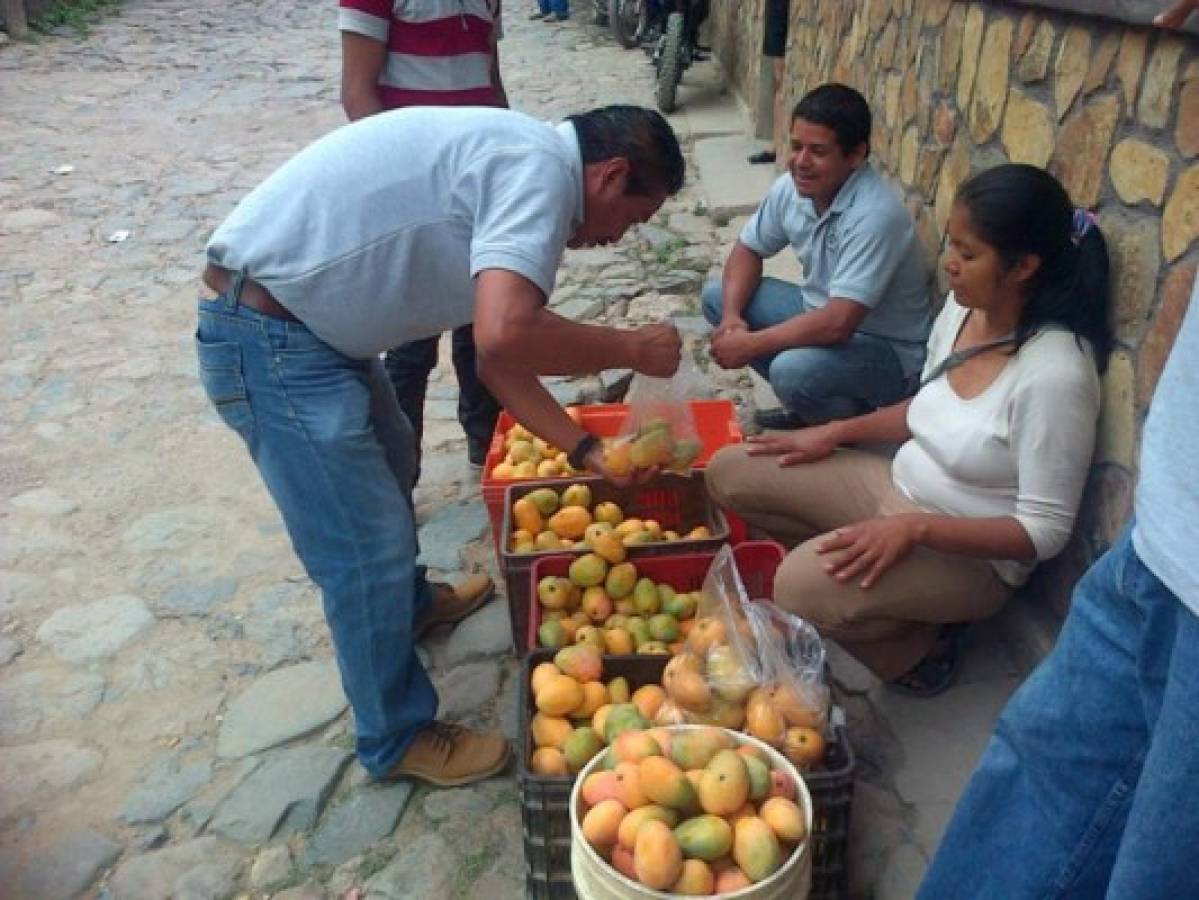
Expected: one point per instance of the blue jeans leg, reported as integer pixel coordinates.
(1064, 803)
(336, 454)
(818, 384)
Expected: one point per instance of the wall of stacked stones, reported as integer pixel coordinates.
(1111, 109)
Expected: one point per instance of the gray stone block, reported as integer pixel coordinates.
(201, 869)
(90, 631)
(365, 817)
(486, 633)
(267, 714)
(68, 866)
(167, 787)
(466, 688)
(442, 537)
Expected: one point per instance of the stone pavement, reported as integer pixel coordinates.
(155, 628)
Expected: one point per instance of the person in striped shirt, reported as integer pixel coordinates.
(398, 53)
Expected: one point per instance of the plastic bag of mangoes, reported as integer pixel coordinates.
(659, 431)
(749, 666)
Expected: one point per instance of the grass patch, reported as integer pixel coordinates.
(473, 867)
(375, 860)
(78, 15)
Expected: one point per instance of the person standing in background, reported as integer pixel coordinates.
(433, 53)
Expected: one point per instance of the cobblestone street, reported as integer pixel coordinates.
(155, 628)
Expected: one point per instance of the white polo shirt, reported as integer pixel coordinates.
(372, 235)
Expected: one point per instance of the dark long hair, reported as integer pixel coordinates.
(1021, 210)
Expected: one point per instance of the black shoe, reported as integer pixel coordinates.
(476, 453)
(537, 15)
(777, 419)
(766, 156)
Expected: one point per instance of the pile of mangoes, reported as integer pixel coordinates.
(528, 456)
(545, 519)
(653, 444)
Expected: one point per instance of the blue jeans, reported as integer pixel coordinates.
(1086, 789)
(337, 456)
(560, 8)
(819, 384)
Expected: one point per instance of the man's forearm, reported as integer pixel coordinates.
(541, 336)
(741, 278)
(519, 392)
(360, 104)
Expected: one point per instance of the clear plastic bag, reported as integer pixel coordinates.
(750, 665)
(659, 429)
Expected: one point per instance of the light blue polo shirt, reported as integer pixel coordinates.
(864, 248)
(372, 235)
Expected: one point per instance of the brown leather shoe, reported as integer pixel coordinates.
(453, 604)
(447, 755)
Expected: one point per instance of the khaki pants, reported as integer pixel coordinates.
(894, 624)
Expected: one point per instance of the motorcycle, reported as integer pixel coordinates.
(629, 21)
(676, 48)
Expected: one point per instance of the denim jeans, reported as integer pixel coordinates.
(560, 8)
(1086, 789)
(408, 367)
(818, 384)
(336, 455)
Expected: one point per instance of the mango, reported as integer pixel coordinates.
(619, 641)
(599, 786)
(570, 522)
(590, 634)
(669, 713)
(502, 471)
(756, 849)
(695, 747)
(664, 627)
(728, 675)
(698, 533)
(689, 690)
(708, 633)
(681, 606)
(724, 787)
(581, 663)
(548, 761)
(608, 512)
(618, 459)
(663, 738)
(545, 499)
(800, 706)
(634, 746)
(618, 689)
(657, 857)
(622, 861)
(580, 747)
(608, 545)
(620, 580)
(628, 526)
(526, 469)
(645, 597)
(596, 603)
(541, 674)
(578, 495)
(696, 879)
(639, 630)
(731, 880)
(588, 570)
(602, 822)
(783, 785)
(637, 538)
(600, 718)
(547, 540)
(548, 468)
(550, 731)
(624, 607)
(594, 530)
(629, 789)
(652, 449)
(785, 819)
(654, 648)
(686, 451)
(705, 837)
(648, 698)
(553, 592)
(595, 695)
(803, 746)
(551, 634)
(526, 516)
(759, 777)
(627, 835)
(763, 721)
(620, 718)
(664, 783)
(521, 450)
(560, 696)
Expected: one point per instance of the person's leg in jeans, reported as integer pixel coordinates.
(1055, 786)
(310, 418)
(408, 366)
(477, 409)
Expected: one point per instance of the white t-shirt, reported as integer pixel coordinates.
(1021, 448)
(372, 235)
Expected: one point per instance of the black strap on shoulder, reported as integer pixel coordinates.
(957, 357)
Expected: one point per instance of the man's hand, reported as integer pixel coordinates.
(803, 446)
(1176, 15)
(734, 348)
(657, 349)
(730, 323)
(870, 547)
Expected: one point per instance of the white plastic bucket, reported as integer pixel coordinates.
(595, 879)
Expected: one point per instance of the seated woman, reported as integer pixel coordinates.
(891, 555)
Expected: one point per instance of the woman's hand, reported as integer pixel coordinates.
(870, 547)
(803, 446)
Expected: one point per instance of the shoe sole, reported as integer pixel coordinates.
(457, 782)
(483, 599)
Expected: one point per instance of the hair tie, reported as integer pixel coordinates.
(1084, 220)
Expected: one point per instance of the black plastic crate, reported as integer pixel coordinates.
(545, 800)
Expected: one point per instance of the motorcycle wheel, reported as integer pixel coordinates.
(601, 12)
(670, 65)
(627, 21)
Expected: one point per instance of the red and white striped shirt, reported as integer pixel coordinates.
(439, 52)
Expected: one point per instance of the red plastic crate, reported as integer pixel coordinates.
(715, 420)
(756, 561)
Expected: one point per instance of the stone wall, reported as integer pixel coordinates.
(1112, 109)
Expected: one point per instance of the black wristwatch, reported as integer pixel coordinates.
(578, 456)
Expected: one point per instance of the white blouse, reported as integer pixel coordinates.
(1021, 448)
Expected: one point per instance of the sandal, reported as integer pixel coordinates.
(935, 673)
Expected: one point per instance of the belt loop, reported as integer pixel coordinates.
(233, 294)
